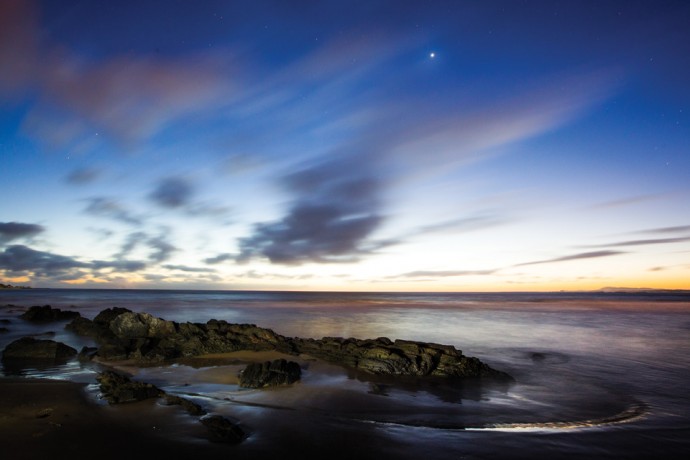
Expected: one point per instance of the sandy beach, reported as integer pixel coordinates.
(55, 419)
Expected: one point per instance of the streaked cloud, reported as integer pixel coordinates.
(580, 256)
(434, 274)
(662, 230)
(645, 242)
(462, 224)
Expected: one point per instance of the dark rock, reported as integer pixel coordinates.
(4, 329)
(118, 388)
(402, 357)
(109, 314)
(43, 413)
(131, 325)
(84, 327)
(378, 389)
(122, 334)
(222, 429)
(30, 348)
(87, 353)
(191, 407)
(270, 374)
(45, 313)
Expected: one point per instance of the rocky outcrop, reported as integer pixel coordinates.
(45, 314)
(118, 388)
(402, 357)
(222, 429)
(140, 336)
(123, 334)
(30, 348)
(270, 374)
(192, 408)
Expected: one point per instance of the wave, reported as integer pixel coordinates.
(634, 412)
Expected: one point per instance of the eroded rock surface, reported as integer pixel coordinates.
(31, 348)
(118, 388)
(401, 357)
(45, 314)
(123, 334)
(270, 374)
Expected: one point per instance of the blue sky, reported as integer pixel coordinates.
(321, 145)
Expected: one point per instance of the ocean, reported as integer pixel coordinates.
(597, 375)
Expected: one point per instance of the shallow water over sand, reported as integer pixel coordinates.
(596, 375)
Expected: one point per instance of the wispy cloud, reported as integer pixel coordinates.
(645, 242)
(443, 273)
(631, 200)
(160, 249)
(462, 224)
(128, 97)
(580, 256)
(185, 268)
(112, 209)
(663, 230)
(81, 176)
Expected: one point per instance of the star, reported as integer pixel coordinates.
(432, 54)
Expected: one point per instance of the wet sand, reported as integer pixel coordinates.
(55, 419)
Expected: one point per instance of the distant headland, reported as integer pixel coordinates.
(9, 286)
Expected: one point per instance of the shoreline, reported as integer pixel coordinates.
(42, 418)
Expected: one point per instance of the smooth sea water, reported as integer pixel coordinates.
(597, 375)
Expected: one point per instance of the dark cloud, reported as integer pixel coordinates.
(162, 250)
(107, 207)
(220, 258)
(127, 266)
(582, 255)
(10, 231)
(25, 260)
(82, 176)
(335, 211)
(22, 259)
(172, 192)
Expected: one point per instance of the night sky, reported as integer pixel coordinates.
(340, 145)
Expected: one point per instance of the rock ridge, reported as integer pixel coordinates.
(123, 334)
